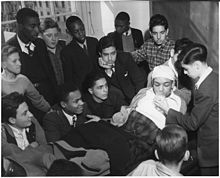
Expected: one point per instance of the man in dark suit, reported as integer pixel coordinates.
(70, 112)
(33, 53)
(120, 69)
(204, 116)
(80, 55)
(127, 39)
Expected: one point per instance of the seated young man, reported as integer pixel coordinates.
(70, 112)
(20, 129)
(100, 100)
(171, 151)
(163, 80)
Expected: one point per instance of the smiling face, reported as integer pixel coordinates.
(12, 63)
(99, 91)
(162, 86)
(29, 30)
(159, 34)
(23, 117)
(73, 103)
(77, 31)
(50, 37)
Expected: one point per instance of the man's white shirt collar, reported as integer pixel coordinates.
(20, 137)
(127, 33)
(81, 45)
(69, 117)
(23, 46)
(203, 77)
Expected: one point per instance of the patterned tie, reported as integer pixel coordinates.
(30, 52)
(74, 118)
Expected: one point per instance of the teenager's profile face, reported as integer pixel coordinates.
(12, 64)
(23, 116)
(77, 31)
(74, 103)
(99, 91)
(159, 34)
(30, 29)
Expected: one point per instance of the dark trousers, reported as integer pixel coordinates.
(102, 135)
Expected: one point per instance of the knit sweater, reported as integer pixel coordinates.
(23, 85)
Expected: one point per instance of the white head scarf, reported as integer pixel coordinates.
(163, 71)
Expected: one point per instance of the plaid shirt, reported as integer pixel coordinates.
(153, 54)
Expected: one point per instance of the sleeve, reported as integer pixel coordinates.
(138, 77)
(68, 70)
(8, 148)
(36, 98)
(199, 114)
(51, 127)
(140, 54)
(40, 134)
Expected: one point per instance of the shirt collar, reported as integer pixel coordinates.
(69, 117)
(17, 131)
(203, 77)
(127, 33)
(81, 45)
(23, 46)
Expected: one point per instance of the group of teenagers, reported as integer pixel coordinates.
(120, 106)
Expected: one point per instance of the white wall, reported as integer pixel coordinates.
(99, 16)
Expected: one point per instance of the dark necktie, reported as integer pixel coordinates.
(30, 52)
(85, 49)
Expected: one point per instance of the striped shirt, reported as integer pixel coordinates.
(153, 54)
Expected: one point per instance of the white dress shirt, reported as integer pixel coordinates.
(20, 137)
(70, 118)
(23, 46)
(203, 77)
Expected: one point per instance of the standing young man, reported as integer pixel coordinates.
(34, 58)
(204, 116)
(79, 57)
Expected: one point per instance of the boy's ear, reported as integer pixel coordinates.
(12, 120)
(63, 104)
(186, 155)
(156, 154)
(90, 91)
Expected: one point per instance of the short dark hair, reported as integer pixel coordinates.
(122, 16)
(49, 23)
(171, 144)
(105, 42)
(24, 13)
(92, 78)
(63, 167)
(70, 20)
(193, 52)
(181, 43)
(7, 50)
(10, 104)
(158, 19)
(65, 90)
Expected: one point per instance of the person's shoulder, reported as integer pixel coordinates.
(93, 39)
(136, 30)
